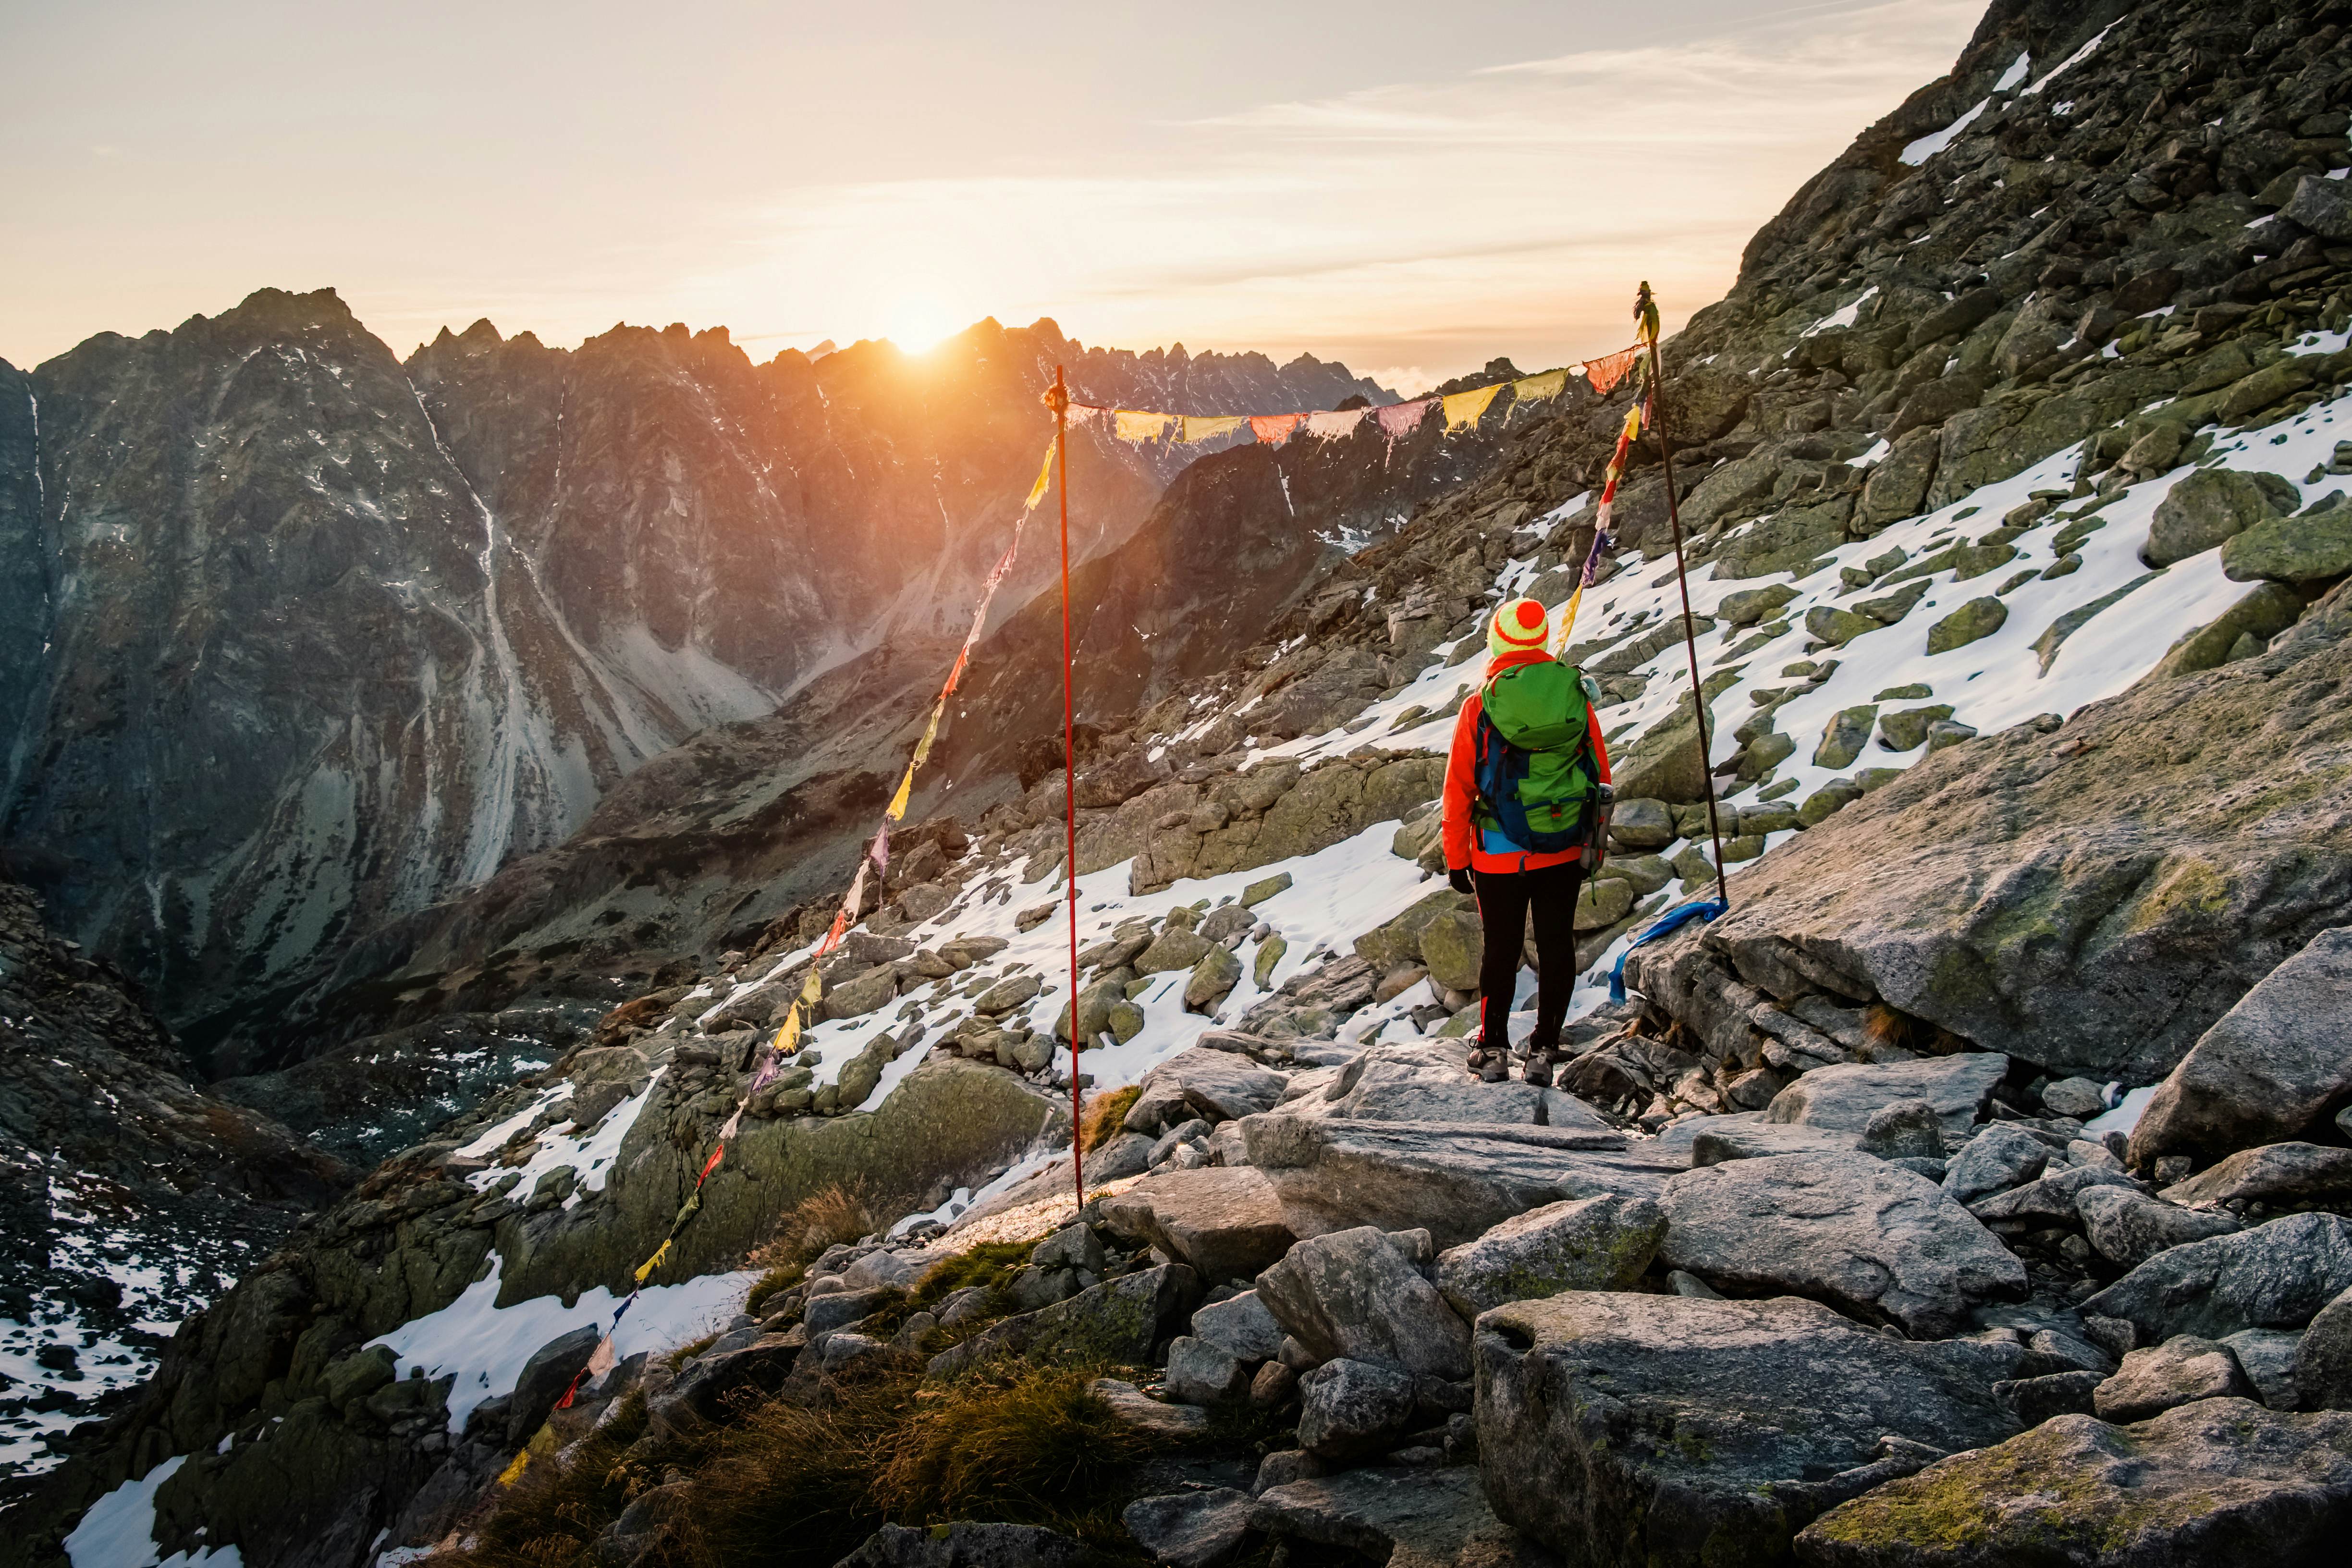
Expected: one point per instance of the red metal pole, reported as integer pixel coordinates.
(1061, 401)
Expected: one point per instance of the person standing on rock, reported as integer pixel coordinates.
(1526, 788)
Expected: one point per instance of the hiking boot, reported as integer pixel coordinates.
(1539, 1066)
(1492, 1067)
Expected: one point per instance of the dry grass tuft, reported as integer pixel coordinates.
(1030, 1445)
(1102, 1115)
(829, 1217)
(1888, 1025)
(552, 1517)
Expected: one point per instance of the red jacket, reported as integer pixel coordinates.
(1461, 830)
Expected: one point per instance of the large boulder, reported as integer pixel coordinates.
(545, 1378)
(1240, 1327)
(2089, 899)
(2222, 1481)
(1190, 1529)
(1874, 1239)
(1118, 1320)
(2274, 1275)
(1995, 1160)
(1427, 1081)
(2321, 1374)
(2209, 507)
(1225, 1221)
(1678, 1432)
(1355, 1294)
(1843, 1097)
(1455, 1180)
(1412, 1518)
(2281, 1175)
(1353, 1409)
(2125, 1225)
(2303, 548)
(1581, 1244)
(1223, 1086)
(1397, 943)
(2183, 1368)
(2271, 1068)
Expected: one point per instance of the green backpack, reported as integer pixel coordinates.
(1534, 763)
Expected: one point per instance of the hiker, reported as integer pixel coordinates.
(1526, 786)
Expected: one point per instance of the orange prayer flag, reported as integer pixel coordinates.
(1606, 372)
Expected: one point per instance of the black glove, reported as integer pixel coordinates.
(1459, 880)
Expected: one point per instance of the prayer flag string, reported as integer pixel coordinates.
(786, 1040)
(1463, 410)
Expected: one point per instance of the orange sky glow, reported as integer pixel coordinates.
(1411, 189)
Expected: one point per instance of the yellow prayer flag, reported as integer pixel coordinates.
(930, 731)
(650, 1264)
(1130, 425)
(515, 1467)
(1550, 384)
(1464, 408)
(1045, 478)
(899, 802)
(1567, 620)
(1209, 427)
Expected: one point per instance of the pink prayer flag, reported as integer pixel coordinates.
(1401, 419)
(1274, 429)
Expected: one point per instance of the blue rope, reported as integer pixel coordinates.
(1666, 924)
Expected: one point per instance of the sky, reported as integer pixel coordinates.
(1411, 189)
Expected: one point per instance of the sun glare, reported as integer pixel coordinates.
(918, 323)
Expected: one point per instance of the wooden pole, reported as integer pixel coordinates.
(1060, 398)
(1646, 314)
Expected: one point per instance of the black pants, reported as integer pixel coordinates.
(1506, 900)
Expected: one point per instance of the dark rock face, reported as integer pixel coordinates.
(353, 633)
(1656, 1429)
(2222, 1480)
(114, 1167)
(2270, 1068)
(2275, 1276)
(2130, 903)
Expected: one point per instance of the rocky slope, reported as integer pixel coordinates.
(353, 632)
(1832, 1245)
(131, 1197)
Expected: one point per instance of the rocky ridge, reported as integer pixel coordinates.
(133, 1198)
(435, 609)
(1934, 1199)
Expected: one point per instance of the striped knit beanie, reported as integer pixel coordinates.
(1520, 627)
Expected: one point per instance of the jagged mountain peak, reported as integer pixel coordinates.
(401, 621)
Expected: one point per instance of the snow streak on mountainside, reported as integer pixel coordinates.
(301, 637)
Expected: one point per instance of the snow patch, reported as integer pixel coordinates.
(483, 1346)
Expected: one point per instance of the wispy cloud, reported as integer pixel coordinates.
(1509, 210)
